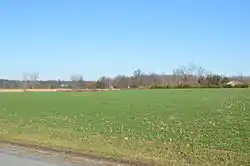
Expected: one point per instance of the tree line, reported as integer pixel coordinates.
(183, 77)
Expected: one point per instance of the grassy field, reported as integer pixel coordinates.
(159, 127)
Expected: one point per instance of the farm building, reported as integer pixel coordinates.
(234, 83)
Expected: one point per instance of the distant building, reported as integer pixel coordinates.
(64, 86)
(234, 83)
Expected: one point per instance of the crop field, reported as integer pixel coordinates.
(158, 127)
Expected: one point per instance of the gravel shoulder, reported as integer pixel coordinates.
(12, 154)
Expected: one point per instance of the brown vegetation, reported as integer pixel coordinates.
(11, 90)
(190, 75)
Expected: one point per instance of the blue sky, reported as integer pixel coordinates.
(96, 37)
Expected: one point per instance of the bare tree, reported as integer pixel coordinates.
(25, 78)
(201, 72)
(137, 73)
(137, 77)
(80, 82)
(241, 77)
(101, 83)
(77, 81)
(122, 81)
(190, 73)
(33, 79)
(181, 73)
(202, 75)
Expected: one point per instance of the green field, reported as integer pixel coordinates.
(198, 126)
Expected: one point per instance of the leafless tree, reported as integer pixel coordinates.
(202, 75)
(25, 78)
(137, 73)
(122, 81)
(104, 83)
(241, 77)
(181, 73)
(77, 81)
(201, 72)
(137, 78)
(189, 73)
(33, 79)
(164, 79)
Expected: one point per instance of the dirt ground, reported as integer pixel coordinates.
(28, 90)
(11, 90)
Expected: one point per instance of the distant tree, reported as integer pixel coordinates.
(52, 86)
(90, 85)
(202, 80)
(80, 82)
(224, 80)
(77, 81)
(122, 81)
(33, 79)
(136, 78)
(59, 82)
(202, 76)
(137, 73)
(213, 79)
(241, 77)
(25, 80)
(101, 83)
(185, 73)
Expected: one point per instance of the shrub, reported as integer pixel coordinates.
(160, 87)
(185, 86)
(214, 86)
(133, 86)
(227, 86)
(245, 86)
(181, 86)
(242, 86)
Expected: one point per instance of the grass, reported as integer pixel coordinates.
(157, 127)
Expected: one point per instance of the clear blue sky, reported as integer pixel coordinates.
(58, 38)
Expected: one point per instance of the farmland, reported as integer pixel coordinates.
(191, 126)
